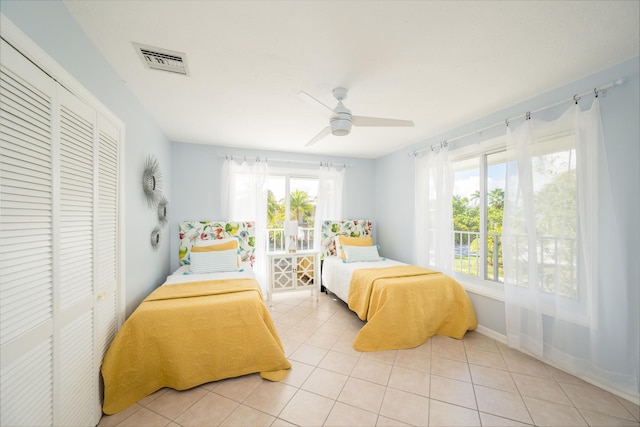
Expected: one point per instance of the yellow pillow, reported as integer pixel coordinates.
(230, 244)
(353, 241)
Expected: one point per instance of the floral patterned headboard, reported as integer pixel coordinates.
(245, 232)
(346, 227)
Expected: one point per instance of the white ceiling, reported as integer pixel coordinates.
(438, 63)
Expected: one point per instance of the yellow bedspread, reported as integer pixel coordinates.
(184, 335)
(406, 305)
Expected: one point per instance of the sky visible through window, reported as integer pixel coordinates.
(276, 184)
(467, 182)
(467, 175)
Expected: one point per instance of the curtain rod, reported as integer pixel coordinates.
(270, 159)
(602, 90)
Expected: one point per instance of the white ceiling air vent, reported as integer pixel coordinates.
(162, 59)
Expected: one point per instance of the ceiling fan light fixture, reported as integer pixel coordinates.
(341, 121)
(340, 126)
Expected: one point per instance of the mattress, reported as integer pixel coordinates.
(336, 274)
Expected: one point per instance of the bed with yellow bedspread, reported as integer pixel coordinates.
(184, 335)
(405, 305)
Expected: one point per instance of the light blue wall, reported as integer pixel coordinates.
(51, 26)
(394, 206)
(196, 186)
(620, 108)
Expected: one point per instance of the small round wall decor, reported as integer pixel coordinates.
(163, 214)
(155, 237)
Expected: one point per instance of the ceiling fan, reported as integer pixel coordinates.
(341, 118)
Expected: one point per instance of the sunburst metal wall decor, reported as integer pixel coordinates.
(152, 181)
(152, 186)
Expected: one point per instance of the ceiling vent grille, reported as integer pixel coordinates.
(162, 59)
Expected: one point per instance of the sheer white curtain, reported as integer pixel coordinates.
(329, 202)
(244, 198)
(433, 240)
(564, 263)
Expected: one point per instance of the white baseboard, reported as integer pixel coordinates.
(491, 334)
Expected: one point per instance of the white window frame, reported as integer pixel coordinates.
(479, 285)
(290, 173)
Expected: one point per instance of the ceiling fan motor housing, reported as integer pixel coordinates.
(341, 125)
(341, 122)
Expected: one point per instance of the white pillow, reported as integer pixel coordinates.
(214, 261)
(361, 253)
(200, 242)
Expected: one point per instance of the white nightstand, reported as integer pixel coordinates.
(295, 271)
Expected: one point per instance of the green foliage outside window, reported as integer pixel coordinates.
(466, 217)
(302, 208)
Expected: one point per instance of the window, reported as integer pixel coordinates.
(291, 197)
(478, 203)
(480, 178)
(553, 214)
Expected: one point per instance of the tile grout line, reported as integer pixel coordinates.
(475, 395)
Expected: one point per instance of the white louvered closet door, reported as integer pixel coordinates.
(106, 232)
(26, 242)
(73, 255)
(58, 249)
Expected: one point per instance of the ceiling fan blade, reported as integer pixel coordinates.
(376, 121)
(308, 97)
(324, 132)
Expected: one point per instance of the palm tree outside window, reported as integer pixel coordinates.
(291, 197)
(478, 205)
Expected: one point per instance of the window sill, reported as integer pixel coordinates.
(481, 287)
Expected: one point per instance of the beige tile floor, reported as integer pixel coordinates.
(445, 382)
